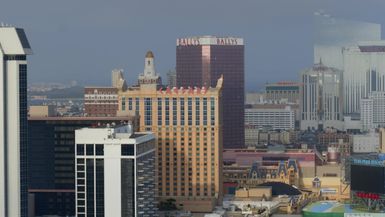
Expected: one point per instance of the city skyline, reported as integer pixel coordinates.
(107, 37)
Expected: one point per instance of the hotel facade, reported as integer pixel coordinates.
(187, 123)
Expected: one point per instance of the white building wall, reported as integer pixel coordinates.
(278, 119)
(13, 42)
(378, 108)
(367, 143)
(112, 180)
(367, 114)
(2, 138)
(13, 135)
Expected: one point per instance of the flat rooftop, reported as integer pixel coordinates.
(81, 118)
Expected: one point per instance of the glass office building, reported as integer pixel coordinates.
(201, 61)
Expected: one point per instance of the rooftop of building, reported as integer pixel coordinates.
(100, 87)
(369, 156)
(270, 106)
(81, 118)
(149, 54)
(279, 150)
(14, 41)
(208, 40)
(329, 208)
(284, 83)
(111, 133)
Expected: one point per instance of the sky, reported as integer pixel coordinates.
(84, 40)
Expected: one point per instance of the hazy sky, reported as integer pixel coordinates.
(84, 40)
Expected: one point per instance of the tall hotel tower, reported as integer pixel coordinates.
(200, 61)
(321, 98)
(187, 123)
(14, 48)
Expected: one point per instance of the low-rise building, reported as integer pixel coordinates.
(276, 116)
(251, 135)
(42, 111)
(366, 143)
(100, 101)
(284, 90)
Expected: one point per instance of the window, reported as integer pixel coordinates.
(148, 111)
(205, 111)
(123, 103)
(189, 107)
(130, 104)
(137, 106)
(127, 150)
(174, 111)
(167, 111)
(212, 107)
(99, 150)
(89, 149)
(181, 102)
(80, 149)
(159, 111)
(197, 111)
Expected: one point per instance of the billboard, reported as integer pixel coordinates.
(367, 179)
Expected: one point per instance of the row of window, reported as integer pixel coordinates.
(98, 149)
(148, 110)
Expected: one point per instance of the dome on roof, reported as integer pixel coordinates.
(149, 54)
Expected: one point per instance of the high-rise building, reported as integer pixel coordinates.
(364, 72)
(51, 160)
(331, 34)
(14, 48)
(100, 101)
(171, 78)
(373, 110)
(187, 123)
(321, 98)
(115, 172)
(201, 61)
(117, 79)
(367, 114)
(283, 91)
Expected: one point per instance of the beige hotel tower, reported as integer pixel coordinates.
(187, 122)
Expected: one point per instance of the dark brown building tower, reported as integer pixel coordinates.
(200, 61)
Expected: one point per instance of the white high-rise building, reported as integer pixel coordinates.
(364, 72)
(117, 79)
(373, 110)
(367, 114)
(331, 34)
(321, 98)
(115, 172)
(14, 48)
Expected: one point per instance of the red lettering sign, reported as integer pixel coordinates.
(372, 196)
